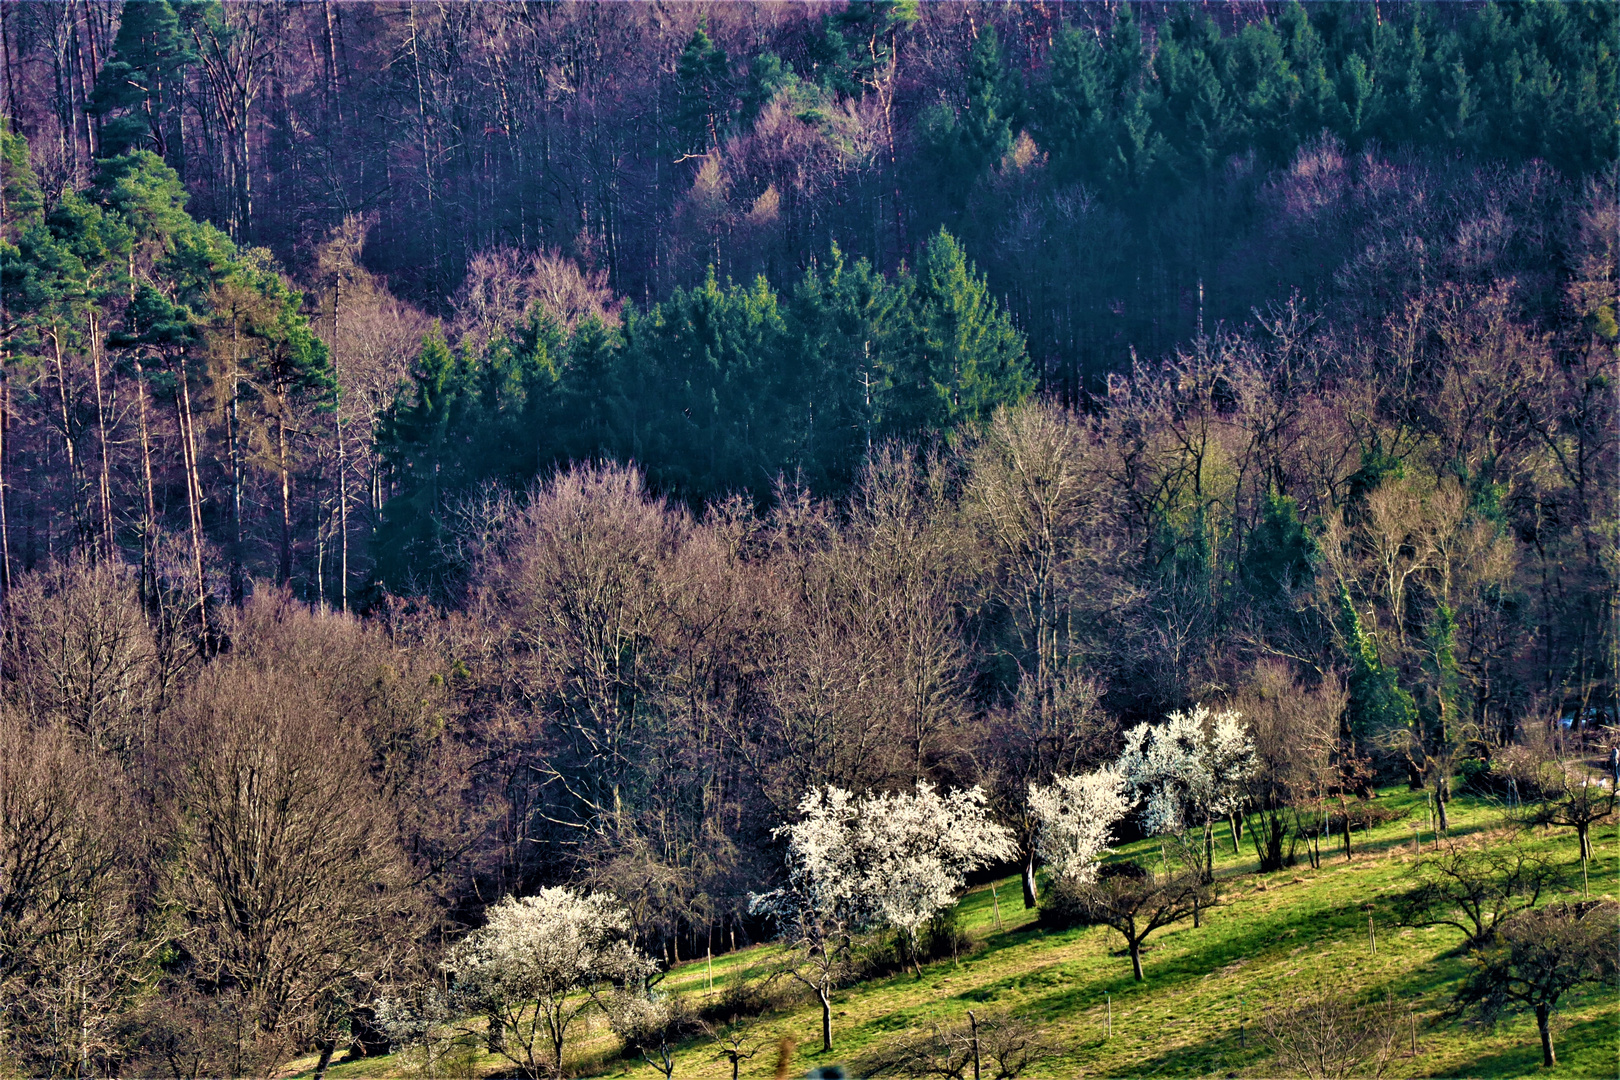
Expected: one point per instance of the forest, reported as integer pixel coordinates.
(452, 454)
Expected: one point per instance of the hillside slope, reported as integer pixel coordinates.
(1274, 939)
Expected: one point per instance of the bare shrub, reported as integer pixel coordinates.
(1328, 1037)
(998, 1046)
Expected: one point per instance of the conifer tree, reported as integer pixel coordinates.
(988, 122)
(138, 93)
(703, 86)
(962, 357)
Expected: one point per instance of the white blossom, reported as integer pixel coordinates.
(555, 942)
(1189, 771)
(880, 860)
(895, 859)
(527, 965)
(919, 848)
(1076, 816)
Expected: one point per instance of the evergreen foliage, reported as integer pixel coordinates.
(721, 389)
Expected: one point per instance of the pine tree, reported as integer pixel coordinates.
(1071, 103)
(1196, 111)
(703, 87)
(419, 437)
(138, 93)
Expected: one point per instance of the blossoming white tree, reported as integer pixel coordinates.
(1076, 817)
(884, 859)
(529, 964)
(822, 908)
(919, 848)
(1189, 772)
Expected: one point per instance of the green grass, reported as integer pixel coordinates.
(1272, 939)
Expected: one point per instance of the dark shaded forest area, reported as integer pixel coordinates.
(448, 450)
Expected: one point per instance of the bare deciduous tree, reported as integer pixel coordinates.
(291, 881)
(1475, 885)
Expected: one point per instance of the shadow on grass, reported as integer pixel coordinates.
(1584, 1049)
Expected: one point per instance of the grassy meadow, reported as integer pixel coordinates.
(1273, 939)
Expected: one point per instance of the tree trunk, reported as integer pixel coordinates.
(342, 457)
(238, 578)
(326, 1046)
(494, 1033)
(149, 522)
(188, 453)
(105, 479)
(1544, 1026)
(826, 1020)
(284, 567)
(67, 435)
(1583, 833)
(1030, 895)
(1440, 808)
(5, 533)
(1136, 961)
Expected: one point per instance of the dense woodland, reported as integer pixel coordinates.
(451, 450)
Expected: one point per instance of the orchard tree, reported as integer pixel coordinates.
(1580, 803)
(891, 859)
(1137, 904)
(822, 910)
(1475, 888)
(919, 848)
(1539, 956)
(538, 963)
(1189, 772)
(1076, 816)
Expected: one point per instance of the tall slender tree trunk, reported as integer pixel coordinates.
(5, 531)
(11, 79)
(1031, 897)
(825, 997)
(1136, 960)
(85, 42)
(284, 567)
(188, 456)
(149, 517)
(238, 578)
(1544, 1026)
(105, 479)
(68, 446)
(342, 460)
